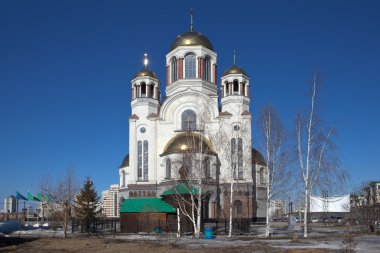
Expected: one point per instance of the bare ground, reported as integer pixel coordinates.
(321, 240)
(103, 245)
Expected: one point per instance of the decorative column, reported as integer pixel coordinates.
(147, 91)
(241, 91)
(155, 92)
(180, 68)
(200, 67)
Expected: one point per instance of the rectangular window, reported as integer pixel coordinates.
(240, 158)
(145, 160)
(233, 157)
(139, 160)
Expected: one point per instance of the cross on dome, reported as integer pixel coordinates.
(234, 57)
(191, 19)
(146, 61)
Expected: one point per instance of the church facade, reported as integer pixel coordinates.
(190, 119)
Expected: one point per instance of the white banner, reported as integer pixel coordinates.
(330, 204)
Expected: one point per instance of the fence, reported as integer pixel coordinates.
(99, 226)
(220, 226)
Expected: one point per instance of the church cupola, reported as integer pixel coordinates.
(191, 58)
(234, 82)
(146, 84)
(146, 89)
(235, 86)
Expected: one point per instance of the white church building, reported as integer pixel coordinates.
(195, 107)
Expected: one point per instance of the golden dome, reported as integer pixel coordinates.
(188, 142)
(146, 72)
(191, 39)
(257, 158)
(234, 70)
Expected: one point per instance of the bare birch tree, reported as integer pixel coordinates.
(193, 169)
(233, 143)
(315, 149)
(60, 198)
(276, 153)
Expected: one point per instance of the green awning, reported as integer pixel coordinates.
(181, 189)
(146, 205)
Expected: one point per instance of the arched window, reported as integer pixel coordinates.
(240, 158)
(207, 69)
(190, 66)
(238, 208)
(243, 91)
(143, 89)
(237, 157)
(189, 120)
(233, 157)
(139, 160)
(236, 87)
(227, 88)
(207, 163)
(168, 168)
(262, 178)
(146, 160)
(174, 70)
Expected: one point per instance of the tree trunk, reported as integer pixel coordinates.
(178, 223)
(65, 223)
(305, 213)
(267, 228)
(231, 210)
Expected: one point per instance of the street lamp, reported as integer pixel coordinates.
(24, 212)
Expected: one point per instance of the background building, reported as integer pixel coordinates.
(277, 208)
(374, 188)
(10, 204)
(110, 201)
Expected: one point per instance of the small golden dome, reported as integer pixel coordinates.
(146, 72)
(191, 39)
(234, 70)
(257, 158)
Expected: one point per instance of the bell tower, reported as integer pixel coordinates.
(142, 125)
(235, 97)
(145, 92)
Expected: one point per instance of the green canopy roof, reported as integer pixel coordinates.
(181, 189)
(146, 205)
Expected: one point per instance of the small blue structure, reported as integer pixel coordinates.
(208, 234)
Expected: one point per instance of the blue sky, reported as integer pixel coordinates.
(66, 66)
